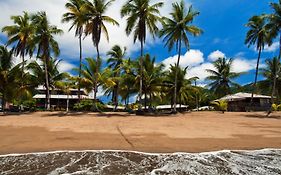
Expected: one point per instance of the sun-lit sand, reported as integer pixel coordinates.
(189, 132)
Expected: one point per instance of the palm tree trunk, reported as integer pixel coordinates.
(141, 67)
(80, 66)
(277, 71)
(97, 71)
(47, 101)
(67, 103)
(116, 97)
(145, 99)
(176, 77)
(256, 77)
(22, 80)
(3, 102)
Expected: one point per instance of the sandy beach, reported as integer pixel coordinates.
(189, 132)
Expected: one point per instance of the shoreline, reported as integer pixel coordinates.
(136, 152)
(193, 132)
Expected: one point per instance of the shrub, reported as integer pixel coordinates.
(30, 104)
(276, 107)
(89, 105)
(220, 105)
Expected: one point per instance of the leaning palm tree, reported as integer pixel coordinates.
(96, 19)
(221, 77)
(141, 16)
(46, 44)
(77, 17)
(175, 31)
(115, 62)
(258, 35)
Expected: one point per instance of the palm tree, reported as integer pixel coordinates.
(153, 77)
(115, 62)
(175, 31)
(222, 77)
(21, 34)
(96, 18)
(37, 71)
(258, 35)
(128, 81)
(9, 75)
(66, 87)
(275, 30)
(269, 72)
(46, 44)
(185, 90)
(77, 17)
(141, 16)
(89, 76)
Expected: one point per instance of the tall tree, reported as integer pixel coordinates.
(153, 77)
(258, 35)
(275, 31)
(141, 16)
(9, 75)
(96, 19)
(20, 35)
(222, 77)
(46, 45)
(269, 72)
(176, 30)
(185, 90)
(115, 62)
(78, 20)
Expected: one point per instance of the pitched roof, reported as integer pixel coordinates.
(241, 96)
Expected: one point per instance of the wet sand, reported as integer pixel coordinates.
(189, 132)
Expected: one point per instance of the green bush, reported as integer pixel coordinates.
(89, 105)
(30, 104)
(220, 105)
(276, 107)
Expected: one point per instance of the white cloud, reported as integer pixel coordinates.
(272, 48)
(190, 58)
(243, 65)
(200, 71)
(215, 55)
(65, 66)
(68, 43)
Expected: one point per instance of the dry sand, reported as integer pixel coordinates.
(189, 132)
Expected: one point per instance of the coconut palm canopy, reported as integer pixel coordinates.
(132, 48)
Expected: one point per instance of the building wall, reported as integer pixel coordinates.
(258, 104)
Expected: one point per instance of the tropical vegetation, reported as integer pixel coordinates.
(136, 83)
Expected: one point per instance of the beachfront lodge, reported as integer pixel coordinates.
(241, 102)
(58, 98)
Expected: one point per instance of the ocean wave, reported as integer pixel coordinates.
(110, 162)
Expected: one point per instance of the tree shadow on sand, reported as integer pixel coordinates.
(264, 115)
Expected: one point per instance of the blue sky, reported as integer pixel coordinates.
(223, 22)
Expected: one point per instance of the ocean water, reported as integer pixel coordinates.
(263, 162)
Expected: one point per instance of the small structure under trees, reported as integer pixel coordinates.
(240, 102)
(59, 98)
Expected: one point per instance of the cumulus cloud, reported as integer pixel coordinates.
(271, 48)
(215, 55)
(190, 58)
(65, 66)
(243, 65)
(68, 43)
(200, 71)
